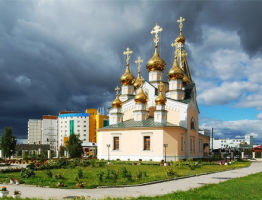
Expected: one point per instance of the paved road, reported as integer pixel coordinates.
(148, 190)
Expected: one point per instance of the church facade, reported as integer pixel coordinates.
(153, 119)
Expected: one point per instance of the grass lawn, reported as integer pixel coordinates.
(249, 187)
(114, 174)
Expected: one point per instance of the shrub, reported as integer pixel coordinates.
(171, 172)
(59, 176)
(145, 174)
(124, 172)
(49, 173)
(100, 175)
(101, 164)
(80, 173)
(139, 175)
(26, 173)
(193, 165)
(93, 163)
(107, 174)
(114, 175)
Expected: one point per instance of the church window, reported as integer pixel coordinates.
(146, 142)
(116, 143)
(192, 124)
(182, 143)
(194, 145)
(191, 144)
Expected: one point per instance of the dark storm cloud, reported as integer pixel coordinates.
(67, 55)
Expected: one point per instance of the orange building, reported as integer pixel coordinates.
(96, 121)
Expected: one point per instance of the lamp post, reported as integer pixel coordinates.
(108, 146)
(165, 146)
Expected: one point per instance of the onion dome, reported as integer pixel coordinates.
(180, 39)
(117, 103)
(127, 78)
(175, 71)
(156, 63)
(141, 97)
(186, 80)
(160, 100)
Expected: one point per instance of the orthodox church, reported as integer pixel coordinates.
(154, 120)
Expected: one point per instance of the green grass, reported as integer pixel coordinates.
(90, 177)
(249, 187)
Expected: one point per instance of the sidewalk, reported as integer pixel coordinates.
(147, 190)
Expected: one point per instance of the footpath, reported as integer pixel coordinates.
(136, 191)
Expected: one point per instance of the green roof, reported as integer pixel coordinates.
(145, 123)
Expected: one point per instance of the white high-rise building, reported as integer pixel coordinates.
(49, 131)
(73, 123)
(34, 131)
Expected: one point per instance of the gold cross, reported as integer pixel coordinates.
(142, 80)
(161, 87)
(157, 29)
(138, 62)
(127, 53)
(117, 90)
(173, 44)
(180, 21)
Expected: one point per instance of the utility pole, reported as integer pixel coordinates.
(212, 139)
(165, 146)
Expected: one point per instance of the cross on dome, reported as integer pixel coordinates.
(161, 87)
(127, 53)
(157, 29)
(117, 90)
(138, 61)
(180, 21)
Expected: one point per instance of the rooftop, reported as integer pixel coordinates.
(145, 123)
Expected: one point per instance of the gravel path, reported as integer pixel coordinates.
(147, 190)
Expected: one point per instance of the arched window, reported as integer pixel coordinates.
(192, 124)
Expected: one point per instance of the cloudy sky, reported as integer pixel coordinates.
(67, 55)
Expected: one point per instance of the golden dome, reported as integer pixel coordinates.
(141, 97)
(175, 71)
(180, 39)
(156, 63)
(186, 80)
(127, 78)
(117, 103)
(160, 100)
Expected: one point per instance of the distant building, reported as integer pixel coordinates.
(232, 143)
(49, 131)
(34, 131)
(73, 123)
(96, 121)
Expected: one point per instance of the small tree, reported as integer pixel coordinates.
(74, 146)
(8, 143)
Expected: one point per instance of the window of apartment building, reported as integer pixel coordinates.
(84, 125)
(146, 142)
(84, 134)
(182, 143)
(84, 130)
(116, 143)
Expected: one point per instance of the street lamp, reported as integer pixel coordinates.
(108, 146)
(165, 146)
